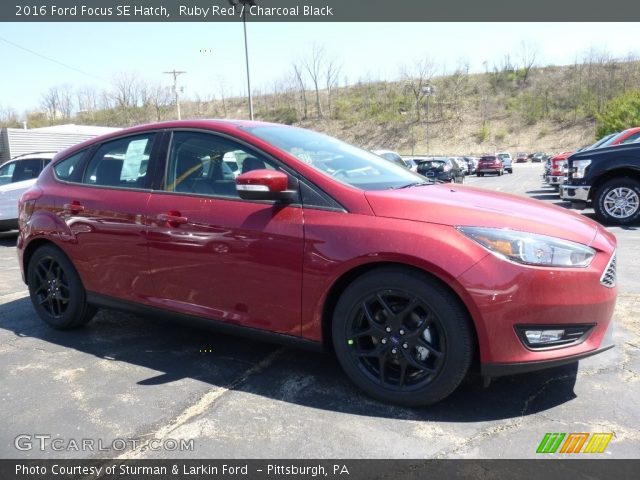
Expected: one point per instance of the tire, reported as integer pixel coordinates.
(50, 269)
(617, 201)
(404, 321)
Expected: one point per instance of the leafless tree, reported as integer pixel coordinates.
(527, 59)
(126, 90)
(223, 91)
(455, 87)
(417, 78)
(302, 88)
(65, 96)
(160, 99)
(51, 104)
(332, 72)
(314, 65)
(87, 99)
(8, 117)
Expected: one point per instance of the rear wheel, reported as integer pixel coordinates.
(56, 291)
(618, 201)
(402, 337)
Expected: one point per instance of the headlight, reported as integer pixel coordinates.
(530, 248)
(579, 166)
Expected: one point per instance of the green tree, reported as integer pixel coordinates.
(619, 114)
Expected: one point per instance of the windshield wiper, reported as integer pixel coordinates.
(414, 184)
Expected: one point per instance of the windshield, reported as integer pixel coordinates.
(601, 142)
(613, 139)
(346, 163)
(432, 164)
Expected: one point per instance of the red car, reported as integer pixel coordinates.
(316, 243)
(490, 164)
(630, 135)
(522, 157)
(556, 172)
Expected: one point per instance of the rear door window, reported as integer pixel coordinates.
(120, 163)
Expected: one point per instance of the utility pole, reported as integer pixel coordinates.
(245, 4)
(176, 74)
(428, 90)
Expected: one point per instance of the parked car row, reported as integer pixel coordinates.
(604, 175)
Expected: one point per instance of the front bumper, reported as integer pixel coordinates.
(555, 179)
(494, 370)
(574, 193)
(503, 296)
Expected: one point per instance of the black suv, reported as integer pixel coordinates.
(444, 169)
(609, 179)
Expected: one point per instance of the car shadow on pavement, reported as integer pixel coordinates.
(544, 196)
(541, 191)
(8, 239)
(300, 377)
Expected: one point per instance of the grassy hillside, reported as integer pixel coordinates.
(539, 109)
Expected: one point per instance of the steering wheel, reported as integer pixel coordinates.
(340, 171)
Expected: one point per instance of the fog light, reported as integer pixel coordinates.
(537, 337)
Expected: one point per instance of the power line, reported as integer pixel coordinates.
(51, 59)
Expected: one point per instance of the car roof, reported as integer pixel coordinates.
(27, 156)
(216, 124)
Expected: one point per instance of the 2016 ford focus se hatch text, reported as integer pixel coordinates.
(315, 241)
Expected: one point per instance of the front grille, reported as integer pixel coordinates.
(608, 278)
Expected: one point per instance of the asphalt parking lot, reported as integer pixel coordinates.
(137, 379)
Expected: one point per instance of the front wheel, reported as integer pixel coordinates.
(618, 201)
(56, 291)
(402, 337)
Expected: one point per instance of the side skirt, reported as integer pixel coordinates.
(103, 301)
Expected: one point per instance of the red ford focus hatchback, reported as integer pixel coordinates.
(312, 241)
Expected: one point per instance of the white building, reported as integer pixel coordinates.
(17, 141)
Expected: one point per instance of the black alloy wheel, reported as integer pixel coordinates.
(402, 337)
(55, 289)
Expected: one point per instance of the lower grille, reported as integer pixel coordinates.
(608, 278)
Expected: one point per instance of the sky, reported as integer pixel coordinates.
(212, 54)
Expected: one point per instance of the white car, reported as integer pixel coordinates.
(16, 176)
(391, 156)
(507, 161)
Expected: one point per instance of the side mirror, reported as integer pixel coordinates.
(264, 185)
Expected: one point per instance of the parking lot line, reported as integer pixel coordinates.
(202, 405)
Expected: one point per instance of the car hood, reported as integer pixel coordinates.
(470, 206)
(24, 184)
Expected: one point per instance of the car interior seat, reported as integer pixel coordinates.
(252, 163)
(109, 171)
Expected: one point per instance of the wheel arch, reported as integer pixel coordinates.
(349, 276)
(31, 248)
(626, 172)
